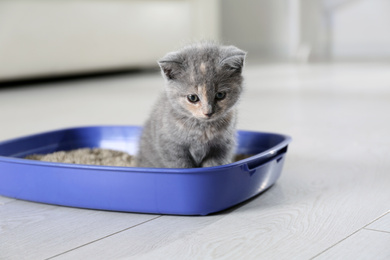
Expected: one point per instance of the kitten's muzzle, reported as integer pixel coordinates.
(207, 110)
(208, 114)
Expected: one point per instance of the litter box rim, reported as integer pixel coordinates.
(271, 151)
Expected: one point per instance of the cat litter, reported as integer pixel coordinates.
(91, 156)
(193, 191)
(96, 156)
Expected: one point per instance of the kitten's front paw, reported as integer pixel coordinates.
(212, 163)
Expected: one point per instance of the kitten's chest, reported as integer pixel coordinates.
(200, 140)
(205, 134)
(205, 141)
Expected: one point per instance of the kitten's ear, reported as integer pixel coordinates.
(171, 65)
(233, 58)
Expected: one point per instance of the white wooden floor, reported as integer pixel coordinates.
(331, 202)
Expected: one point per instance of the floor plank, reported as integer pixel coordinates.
(4, 200)
(296, 217)
(146, 238)
(382, 224)
(365, 244)
(127, 101)
(38, 231)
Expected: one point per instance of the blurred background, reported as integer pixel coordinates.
(41, 38)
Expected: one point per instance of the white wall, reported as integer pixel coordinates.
(309, 29)
(362, 29)
(259, 27)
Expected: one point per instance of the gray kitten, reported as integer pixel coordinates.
(193, 122)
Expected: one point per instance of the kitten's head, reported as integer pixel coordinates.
(203, 80)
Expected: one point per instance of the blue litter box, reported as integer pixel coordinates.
(195, 191)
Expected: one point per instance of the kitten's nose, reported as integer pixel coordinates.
(208, 114)
(207, 110)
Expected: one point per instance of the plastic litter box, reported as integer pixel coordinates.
(195, 191)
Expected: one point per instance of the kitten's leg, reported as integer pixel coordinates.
(217, 157)
(215, 162)
(178, 159)
(176, 155)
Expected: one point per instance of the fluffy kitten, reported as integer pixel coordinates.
(193, 122)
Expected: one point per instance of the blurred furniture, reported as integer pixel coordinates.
(54, 38)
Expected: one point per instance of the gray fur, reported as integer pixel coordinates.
(178, 134)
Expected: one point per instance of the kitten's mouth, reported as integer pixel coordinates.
(208, 117)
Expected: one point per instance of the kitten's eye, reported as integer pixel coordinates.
(220, 95)
(193, 98)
